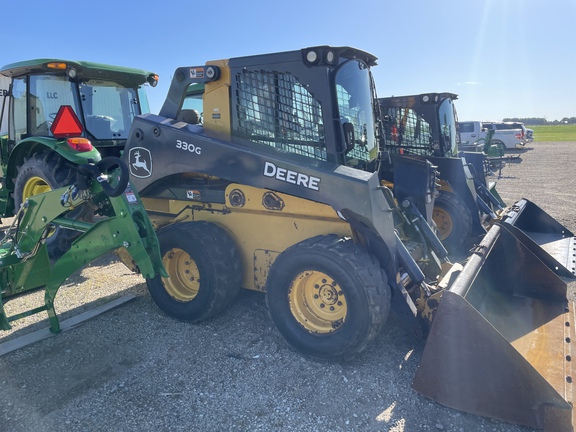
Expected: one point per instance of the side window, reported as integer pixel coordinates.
(466, 127)
(143, 98)
(18, 129)
(4, 103)
(274, 109)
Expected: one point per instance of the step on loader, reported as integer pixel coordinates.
(268, 172)
(425, 126)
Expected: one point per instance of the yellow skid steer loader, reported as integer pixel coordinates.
(268, 172)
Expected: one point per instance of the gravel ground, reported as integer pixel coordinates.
(135, 369)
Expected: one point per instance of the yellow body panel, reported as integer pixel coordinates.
(260, 231)
(216, 100)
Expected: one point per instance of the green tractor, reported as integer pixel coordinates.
(40, 142)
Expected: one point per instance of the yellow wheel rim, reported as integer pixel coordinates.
(35, 186)
(443, 221)
(317, 302)
(184, 281)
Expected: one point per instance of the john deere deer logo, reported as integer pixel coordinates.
(140, 162)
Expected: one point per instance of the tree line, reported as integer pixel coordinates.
(540, 120)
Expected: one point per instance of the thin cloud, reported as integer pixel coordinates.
(469, 83)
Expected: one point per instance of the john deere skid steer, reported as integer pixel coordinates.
(468, 204)
(269, 172)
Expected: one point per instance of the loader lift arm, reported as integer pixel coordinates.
(123, 225)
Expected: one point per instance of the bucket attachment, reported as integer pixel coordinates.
(553, 243)
(501, 340)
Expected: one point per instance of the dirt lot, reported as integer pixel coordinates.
(135, 369)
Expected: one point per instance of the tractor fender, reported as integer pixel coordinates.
(29, 146)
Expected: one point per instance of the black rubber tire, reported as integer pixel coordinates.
(217, 262)
(362, 286)
(459, 218)
(49, 166)
(56, 173)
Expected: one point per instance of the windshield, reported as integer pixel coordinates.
(447, 117)
(108, 108)
(354, 94)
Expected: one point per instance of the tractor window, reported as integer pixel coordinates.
(4, 103)
(18, 129)
(274, 109)
(354, 94)
(47, 94)
(109, 108)
(143, 98)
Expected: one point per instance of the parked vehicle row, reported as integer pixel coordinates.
(507, 135)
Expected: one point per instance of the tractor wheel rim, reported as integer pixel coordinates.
(34, 186)
(443, 222)
(184, 281)
(317, 302)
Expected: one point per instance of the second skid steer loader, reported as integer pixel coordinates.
(276, 184)
(468, 204)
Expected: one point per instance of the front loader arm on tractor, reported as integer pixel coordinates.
(122, 225)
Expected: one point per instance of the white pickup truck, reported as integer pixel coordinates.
(507, 139)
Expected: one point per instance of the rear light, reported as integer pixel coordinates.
(520, 135)
(80, 144)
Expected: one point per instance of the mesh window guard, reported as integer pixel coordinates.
(274, 109)
(407, 131)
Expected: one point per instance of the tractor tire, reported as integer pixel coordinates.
(328, 297)
(204, 268)
(453, 220)
(42, 172)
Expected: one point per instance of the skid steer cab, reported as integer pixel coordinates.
(122, 226)
(270, 173)
(39, 145)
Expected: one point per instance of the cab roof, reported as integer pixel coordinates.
(84, 69)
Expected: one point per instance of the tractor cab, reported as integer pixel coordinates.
(105, 98)
(97, 103)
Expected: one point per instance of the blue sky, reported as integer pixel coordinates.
(504, 58)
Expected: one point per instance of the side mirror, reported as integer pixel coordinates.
(348, 136)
